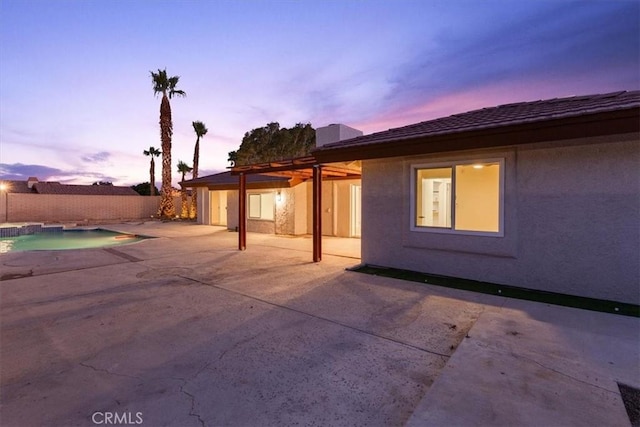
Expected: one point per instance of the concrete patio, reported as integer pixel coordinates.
(185, 330)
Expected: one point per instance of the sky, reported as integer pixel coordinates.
(77, 103)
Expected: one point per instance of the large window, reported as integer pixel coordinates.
(261, 206)
(460, 196)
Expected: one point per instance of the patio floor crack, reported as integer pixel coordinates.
(193, 403)
(106, 371)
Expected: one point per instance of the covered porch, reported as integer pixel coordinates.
(297, 170)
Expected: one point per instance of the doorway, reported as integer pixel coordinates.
(356, 210)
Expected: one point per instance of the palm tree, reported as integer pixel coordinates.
(153, 152)
(167, 87)
(201, 130)
(184, 168)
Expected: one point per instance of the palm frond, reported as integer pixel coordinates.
(199, 128)
(183, 167)
(160, 81)
(152, 151)
(177, 92)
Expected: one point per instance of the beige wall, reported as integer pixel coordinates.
(59, 208)
(336, 207)
(301, 209)
(232, 209)
(342, 207)
(293, 213)
(204, 199)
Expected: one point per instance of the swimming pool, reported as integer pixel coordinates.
(67, 239)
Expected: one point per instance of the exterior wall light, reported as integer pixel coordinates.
(279, 196)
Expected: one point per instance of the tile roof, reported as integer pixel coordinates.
(17, 187)
(85, 190)
(500, 116)
(58, 188)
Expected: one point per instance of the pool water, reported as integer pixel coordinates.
(67, 239)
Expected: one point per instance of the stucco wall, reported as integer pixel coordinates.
(59, 208)
(293, 213)
(232, 209)
(571, 216)
(336, 207)
(204, 201)
(301, 209)
(342, 206)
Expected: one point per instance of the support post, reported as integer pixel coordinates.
(317, 213)
(242, 215)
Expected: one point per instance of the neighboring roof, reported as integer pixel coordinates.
(84, 190)
(58, 188)
(620, 109)
(17, 187)
(225, 181)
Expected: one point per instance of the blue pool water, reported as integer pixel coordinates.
(67, 239)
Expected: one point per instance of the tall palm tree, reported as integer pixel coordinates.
(153, 152)
(184, 168)
(167, 87)
(201, 130)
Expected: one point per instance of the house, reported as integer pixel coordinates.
(538, 195)
(218, 201)
(35, 186)
(278, 199)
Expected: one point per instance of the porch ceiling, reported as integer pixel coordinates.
(301, 168)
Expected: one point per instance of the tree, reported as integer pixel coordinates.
(102, 183)
(184, 168)
(152, 152)
(144, 189)
(272, 143)
(233, 158)
(167, 87)
(200, 130)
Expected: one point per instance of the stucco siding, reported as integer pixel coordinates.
(232, 209)
(571, 215)
(204, 201)
(285, 211)
(301, 212)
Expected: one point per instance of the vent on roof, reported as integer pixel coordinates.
(334, 133)
(32, 180)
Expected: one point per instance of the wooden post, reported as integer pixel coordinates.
(242, 216)
(317, 213)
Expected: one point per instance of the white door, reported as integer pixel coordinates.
(356, 210)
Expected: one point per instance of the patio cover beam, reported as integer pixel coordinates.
(317, 213)
(242, 217)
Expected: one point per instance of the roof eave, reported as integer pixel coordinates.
(582, 126)
(251, 185)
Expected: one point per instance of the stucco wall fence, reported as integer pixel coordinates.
(17, 207)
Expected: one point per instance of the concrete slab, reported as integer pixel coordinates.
(532, 364)
(186, 330)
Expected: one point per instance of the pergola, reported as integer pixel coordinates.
(298, 169)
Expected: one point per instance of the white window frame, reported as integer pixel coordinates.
(452, 164)
(261, 216)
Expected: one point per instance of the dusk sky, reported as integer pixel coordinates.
(77, 104)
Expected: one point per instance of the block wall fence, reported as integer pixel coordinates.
(17, 207)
